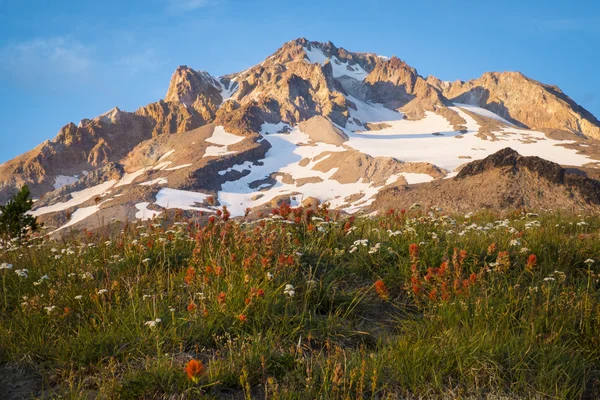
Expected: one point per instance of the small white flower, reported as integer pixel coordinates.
(289, 290)
(172, 310)
(146, 296)
(78, 297)
(102, 291)
(515, 242)
(269, 276)
(589, 261)
(146, 260)
(23, 273)
(5, 266)
(150, 324)
(524, 250)
(87, 276)
(49, 309)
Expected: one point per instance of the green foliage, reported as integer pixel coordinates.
(407, 305)
(14, 220)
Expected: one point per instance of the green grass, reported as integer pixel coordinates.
(453, 319)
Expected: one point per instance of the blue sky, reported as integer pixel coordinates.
(62, 61)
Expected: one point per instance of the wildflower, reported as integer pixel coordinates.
(5, 266)
(172, 309)
(382, 290)
(49, 309)
(531, 262)
(589, 261)
(289, 290)
(269, 276)
(492, 249)
(102, 291)
(78, 297)
(221, 298)
(242, 318)
(152, 324)
(549, 279)
(502, 261)
(23, 273)
(473, 277)
(515, 242)
(86, 276)
(191, 307)
(375, 248)
(189, 275)
(146, 260)
(146, 296)
(524, 250)
(413, 250)
(194, 369)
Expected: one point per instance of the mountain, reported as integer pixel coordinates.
(501, 181)
(311, 123)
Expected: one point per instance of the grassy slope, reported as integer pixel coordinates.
(364, 320)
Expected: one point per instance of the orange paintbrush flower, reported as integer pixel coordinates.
(194, 369)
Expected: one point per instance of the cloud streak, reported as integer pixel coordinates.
(46, 59)
(147, 60)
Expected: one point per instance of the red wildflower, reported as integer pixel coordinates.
(531, 262)
(190, 275)
(382, 290)
(191, 307)
(221, 297)
(242, 318)
(473, 277)
(194, 369)
(413, 251)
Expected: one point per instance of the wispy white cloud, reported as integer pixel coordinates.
(146, 60)
(187, 5)
(46, 59)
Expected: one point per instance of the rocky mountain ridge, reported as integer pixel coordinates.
(311, 120)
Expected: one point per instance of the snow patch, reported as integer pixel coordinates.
(76, 198)
(167, 154)
(144, 213)
(64, 180)
(157, 181)
(182, 199)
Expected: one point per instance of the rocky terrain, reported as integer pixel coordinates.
(312, 123)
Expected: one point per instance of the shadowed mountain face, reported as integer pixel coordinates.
(501, 181)
(310, 121)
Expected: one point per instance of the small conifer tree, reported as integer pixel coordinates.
(15, 219)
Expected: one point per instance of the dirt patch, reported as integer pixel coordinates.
(17, 383)
(320, 129)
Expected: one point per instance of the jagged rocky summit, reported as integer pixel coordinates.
(314, 123)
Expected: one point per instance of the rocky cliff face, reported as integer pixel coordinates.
(523, 101)
(502, 181)
(312, 121)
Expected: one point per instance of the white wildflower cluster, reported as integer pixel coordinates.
(153, 323)
(49, 309)
(41, 280)
(532, 224)
(23, 273)
(289, 290)
(375, 248)
(515, 242)
(5, 266)
(359, 242)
